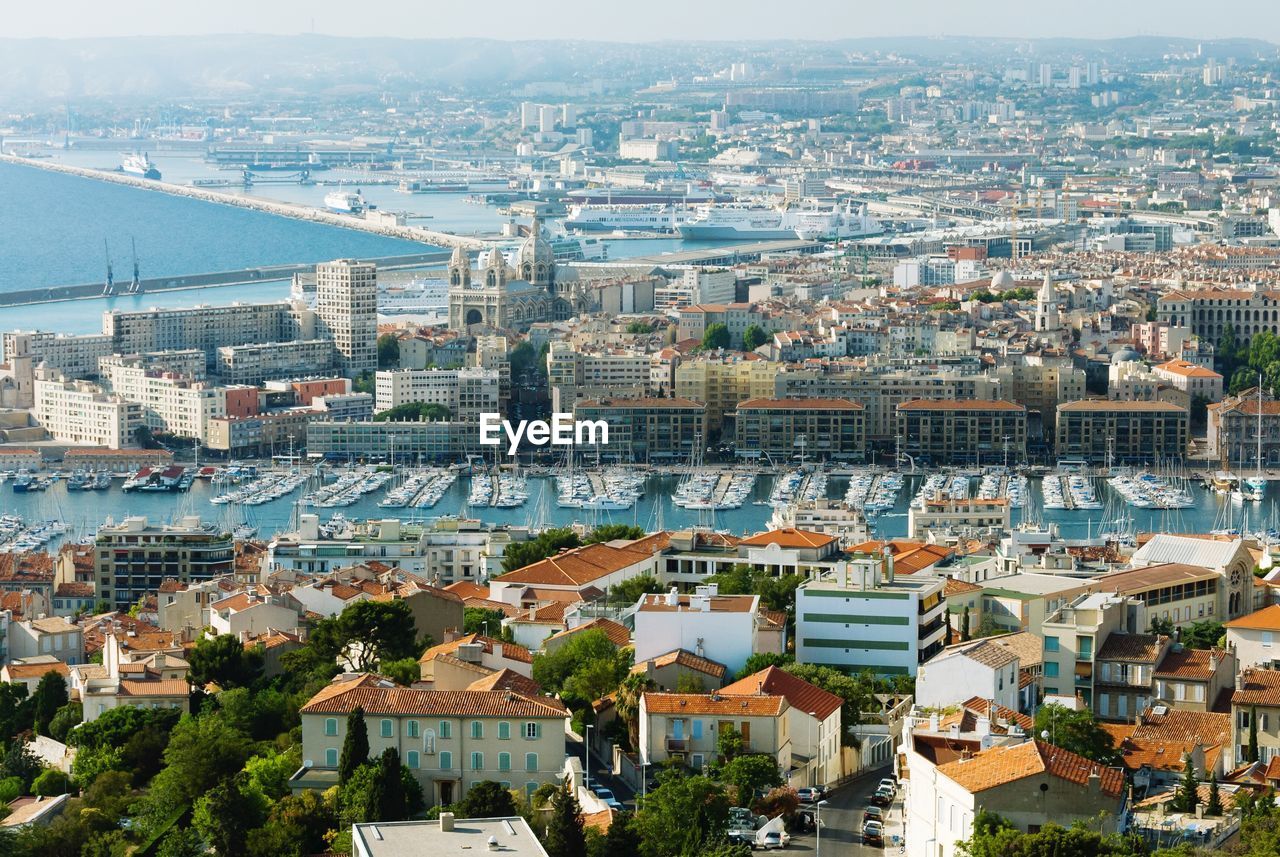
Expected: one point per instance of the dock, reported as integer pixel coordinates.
(730, 254)
(378, 226)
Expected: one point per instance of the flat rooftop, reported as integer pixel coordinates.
(468, 838)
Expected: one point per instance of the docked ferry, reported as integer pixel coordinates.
(138, 164)
(750, 222)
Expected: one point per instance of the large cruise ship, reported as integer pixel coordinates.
(419, 295)
(675, 195)
(139, 164)
(627, 218)
(762, 223)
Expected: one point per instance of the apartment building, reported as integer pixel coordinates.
(950, 431)
(189, 362)
(1103, 432)
(1234, 425)
(881, 388)
(347, 313)
(722, 381)
(207, 328)
(51, 636)
(945, 513)
(1075, 634)
(133, 557)
(687, 726)
(781, 429)
(721, 628)
(81, 412)
(261, 434)
(980, 668)
(702, 314)
(449, 740)
(253, 364)
(1194, 380)
(865, 617)
(1208, 311)
(1253, 638)
(1041, 388)
(467, 393)
(74, 356)
(1256, 700)
(646, 429)
(170, 403)
(573, 374)
(438, 442)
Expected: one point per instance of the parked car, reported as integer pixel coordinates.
(773, 839)
(607, 798)
(882, 797)
(809, 794)
(888, 782)
(873, 833)
(873, 813)
(742, 837)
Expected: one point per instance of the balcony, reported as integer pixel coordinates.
(677, 745)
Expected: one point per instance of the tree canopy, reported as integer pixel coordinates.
(429, 412)
(1076, 731)
(224, 661)
(547, 543)
(716, 336)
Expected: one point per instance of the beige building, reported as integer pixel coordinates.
(450, 740)
(946, 513)
(1256, 696)
(467, 393)
(169, 403)
(941, 431)
(573, 374)
(73, 356)
(253, 364)
(1121, 432)
(687, 726)
(1234, 423)
(1191, 379)
(1041, 388)
(644, 430)
(820, 429)
(722, 382)
(347, 313)
(1255, 638)
(80, 412)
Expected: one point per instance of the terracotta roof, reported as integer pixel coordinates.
(714, 704)
(1187, 369)
(981, 651)
(485, 604)
(74, 590)
(1266, 619)
(1111, 405)
(1207, 727)
(684, 658)
(468, 589)
(800, 405)
(1002, 765)
(507, 679)
(1142, 579)
(1195, 664)
(985, 708)
(24, 671)
(960, 405)
(510, 651)
(576, 567)
(168, 687)
(1025, 644)
(789, 537)
(343, 696)
(955, 586)
(617, 634)
(799, 693)
(1258, 687)
(1131, 647)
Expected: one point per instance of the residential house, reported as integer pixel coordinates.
(721, 628)
(978, 667)
(511, 837)
(687, 726)
(668, 671)
(449, 740)
(478, 650)
(29, 671)
(1255, 638)
(49, 635)
(1256, 700)
(814, 722)
(578, 574)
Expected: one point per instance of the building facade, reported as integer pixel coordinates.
(780, 429)
(347, 313)
(80, 412)
(646, 429)
(973, 431)
(1104, 432)
(134, 557)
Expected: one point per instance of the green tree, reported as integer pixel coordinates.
(403, 672)
(523, 359)
(1187, 797)
(621, 840)
(760, 660)
(1076, 731)
(15, 710)
(753, 337)
(388, 790)
(388, 351)
(736, 581)
(964, 625)
(565, 835)
(181, 842)
(639, 327)
(582, 653)
(481, 620)
(748, 773)
(51, 782)
(412, 412)
(224, 661)
(628, 592)
(716, 336)
(1204, 634)
(50, 695)
(19, 762)
(486, 799)
(946, 615)
(1161, 626)
(380, 630)
(68, 717)
(614, 532)
(226, 813)
(269, 772)
(1252, 754)
(627, 701)
(729, 743)
(202, 753)
(547, 543)
(1214, 806)
(296, 826)
(355, 746)
(682, 816)
(857, 693)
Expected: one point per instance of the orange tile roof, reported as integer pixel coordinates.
(577, 566)
(955, 586)
(1195, 664)
(799, 693)
(366, 691)
(999, 766)
(714, 704)
(1142, 579)
(800, 405)
(656, 602)
(685, 658)
(485, 604)
(24, 671)
(984, 708)
(510, 651)
(1111, 405)
(1131, 647)
(506, 679)
(1258, 687)
(1188, 369)
(168, 687)
(960, 405)
(789, 537)
(1266, 619)
(468, 589)
(617, 634)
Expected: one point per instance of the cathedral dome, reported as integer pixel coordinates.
(1003, 282)
(1125, 355)
(536, 260)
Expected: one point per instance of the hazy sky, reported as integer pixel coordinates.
(644, 20)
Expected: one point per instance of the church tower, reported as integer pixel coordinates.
(1047, 306)
(536, 262)
(459, 269)
(495, 270)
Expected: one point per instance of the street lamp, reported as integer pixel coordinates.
(644, 779)
(812, 748)
(817, 823)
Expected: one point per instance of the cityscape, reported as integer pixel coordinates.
(602, 432)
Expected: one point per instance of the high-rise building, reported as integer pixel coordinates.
(546, 119)
(347, 310)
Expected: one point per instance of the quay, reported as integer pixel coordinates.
(297, 212)
(731, 254)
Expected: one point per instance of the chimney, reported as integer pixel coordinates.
(673, 597)
(1213, 660)
(955, 730)
(1095, 781)
(933, 722)
(984, 726)
(446, 822)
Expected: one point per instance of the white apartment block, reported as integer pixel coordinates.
(467, 393)
(170, 403)
(74, 356)
(206, 327)
(573, 375)
(253, 364)
(710, 286)
(80, 412)
(347, 312)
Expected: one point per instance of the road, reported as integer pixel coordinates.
(842, 820)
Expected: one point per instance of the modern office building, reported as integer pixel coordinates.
(347, 313)
(1105, 431)
(467, 393)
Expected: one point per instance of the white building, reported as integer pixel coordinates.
(719, 627)
(169, 402)
(1255, 639)
(862, 617)
(976, 668)
(74, 356)
(467, 393)
(80, 412)
(709, 285)
(253, 364)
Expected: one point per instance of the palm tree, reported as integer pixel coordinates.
(627, 700)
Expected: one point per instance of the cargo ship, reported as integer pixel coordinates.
(138, 164)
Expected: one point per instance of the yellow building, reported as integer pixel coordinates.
(722, 382)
